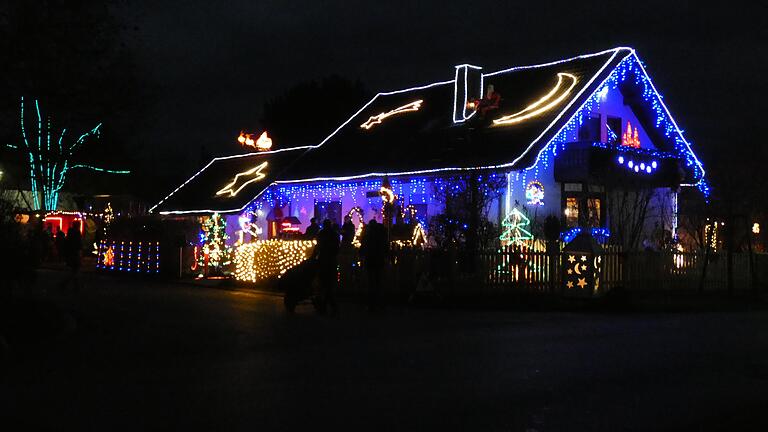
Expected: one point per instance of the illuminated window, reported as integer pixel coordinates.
(571, 212)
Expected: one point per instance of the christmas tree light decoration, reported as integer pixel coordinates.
(534, 193)
(254, 173)
(109, 257)
(214, 254)
(419, 237)
(547, 102)
(377, 119)
(630, 138)
(515, 231)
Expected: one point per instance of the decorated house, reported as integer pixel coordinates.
(561, 136)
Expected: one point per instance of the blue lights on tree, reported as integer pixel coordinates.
(49, 163)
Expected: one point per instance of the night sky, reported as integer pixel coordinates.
(215, 63)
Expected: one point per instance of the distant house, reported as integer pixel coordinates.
(561, 135)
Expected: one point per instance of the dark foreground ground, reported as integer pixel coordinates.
(135, 355)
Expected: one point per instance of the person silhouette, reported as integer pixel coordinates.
(72, 256)
(374, 247)
(327, 251)
(347, 231)
(312, 229)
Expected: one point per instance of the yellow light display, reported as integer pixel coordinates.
(360, 224)
(549, 101)
(377, 119)
(252, 175)
(265, 259)
(387, 194)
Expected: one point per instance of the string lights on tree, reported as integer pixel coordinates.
(50, 159)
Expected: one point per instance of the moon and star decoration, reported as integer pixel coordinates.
(582, 266)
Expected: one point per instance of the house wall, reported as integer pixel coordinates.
(661, 209)
(299, 201)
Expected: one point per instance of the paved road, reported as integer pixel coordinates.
(146, 356)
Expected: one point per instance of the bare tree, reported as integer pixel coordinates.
(467, 200)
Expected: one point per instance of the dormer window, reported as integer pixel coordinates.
(590, 129)
(613, 130)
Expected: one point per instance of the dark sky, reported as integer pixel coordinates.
(215, 63)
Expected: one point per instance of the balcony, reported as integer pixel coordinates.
(601, 163)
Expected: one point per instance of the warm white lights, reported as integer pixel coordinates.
(565, 83)
(377, 119)
(253, 174)
(266, 259)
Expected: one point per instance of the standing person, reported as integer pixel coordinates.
(72, 256)
(327, 251)
(374, 248)
(61, 246)
(312, 230)
(347, 231)
(346, 254)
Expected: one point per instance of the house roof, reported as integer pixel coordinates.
(413, 131)
(228, 183)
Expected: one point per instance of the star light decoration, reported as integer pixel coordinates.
(242, 180)
(377, 119)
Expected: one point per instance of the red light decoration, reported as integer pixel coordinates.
(630, 138)
(286, 226)
(262, 143)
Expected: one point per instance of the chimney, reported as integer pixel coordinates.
(468, 86)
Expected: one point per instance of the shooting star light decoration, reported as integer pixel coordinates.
(377, 119)
(252, 175)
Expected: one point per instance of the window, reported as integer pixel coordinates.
(590, 129)
(328, 210)
(571, 212)
(613, 126)
(593, 212)
(572, 187)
